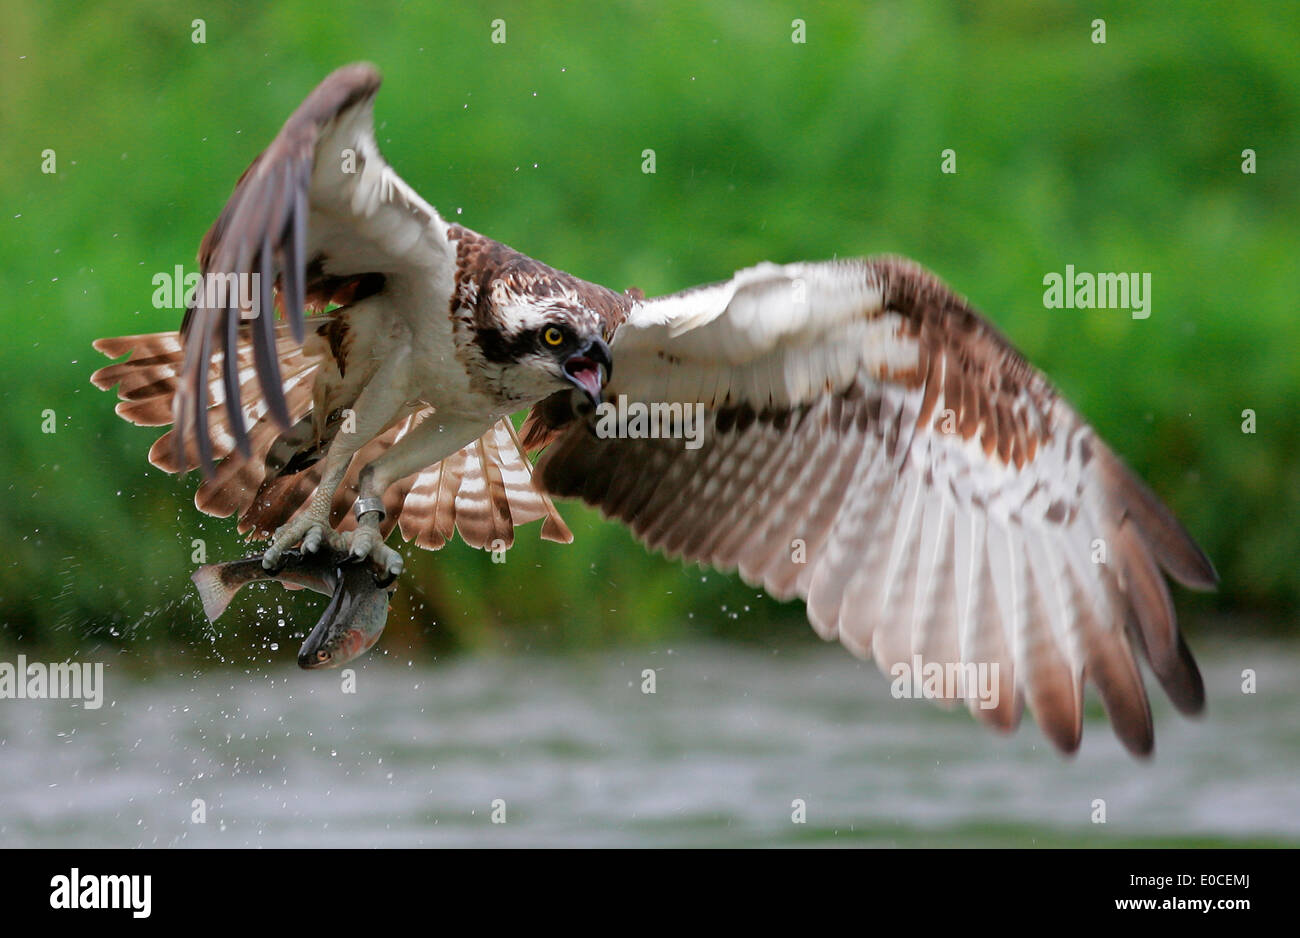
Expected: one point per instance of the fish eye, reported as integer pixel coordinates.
(553, 336)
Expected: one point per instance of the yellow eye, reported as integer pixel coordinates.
(553, 336)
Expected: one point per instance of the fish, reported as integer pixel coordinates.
(353, 620)
(218, 583)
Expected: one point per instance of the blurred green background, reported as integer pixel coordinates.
(1125, 156)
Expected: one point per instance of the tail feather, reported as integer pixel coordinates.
(527, 501)
(483, 491)
(482, 506)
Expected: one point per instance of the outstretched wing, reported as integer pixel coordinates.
(321, 218)
(874, 446)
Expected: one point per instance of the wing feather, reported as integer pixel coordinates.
(319, 210)
(947, 498)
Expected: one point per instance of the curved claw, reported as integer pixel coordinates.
(277, 563)
(312, 540)
(365, 542)
(305, 531)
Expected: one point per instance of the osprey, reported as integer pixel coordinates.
(871, 444)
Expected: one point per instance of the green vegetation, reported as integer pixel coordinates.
(1118, 157)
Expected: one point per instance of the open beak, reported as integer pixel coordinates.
(583, 368)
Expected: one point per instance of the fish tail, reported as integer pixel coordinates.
(216, 588)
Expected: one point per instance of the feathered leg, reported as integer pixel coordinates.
(376, 408)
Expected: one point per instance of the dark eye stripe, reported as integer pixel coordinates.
(500, 349)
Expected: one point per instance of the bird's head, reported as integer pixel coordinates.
(535, 331)
(554, 352)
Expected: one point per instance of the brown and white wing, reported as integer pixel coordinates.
(321, 218)
(874, 446)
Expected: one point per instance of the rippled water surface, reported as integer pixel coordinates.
(580, 756)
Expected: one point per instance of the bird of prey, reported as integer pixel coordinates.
(870, 443)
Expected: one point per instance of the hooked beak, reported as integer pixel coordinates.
(583, 368)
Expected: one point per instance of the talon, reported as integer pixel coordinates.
(362, 543)
(275, 565)
(306, 531)
(365, 542)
